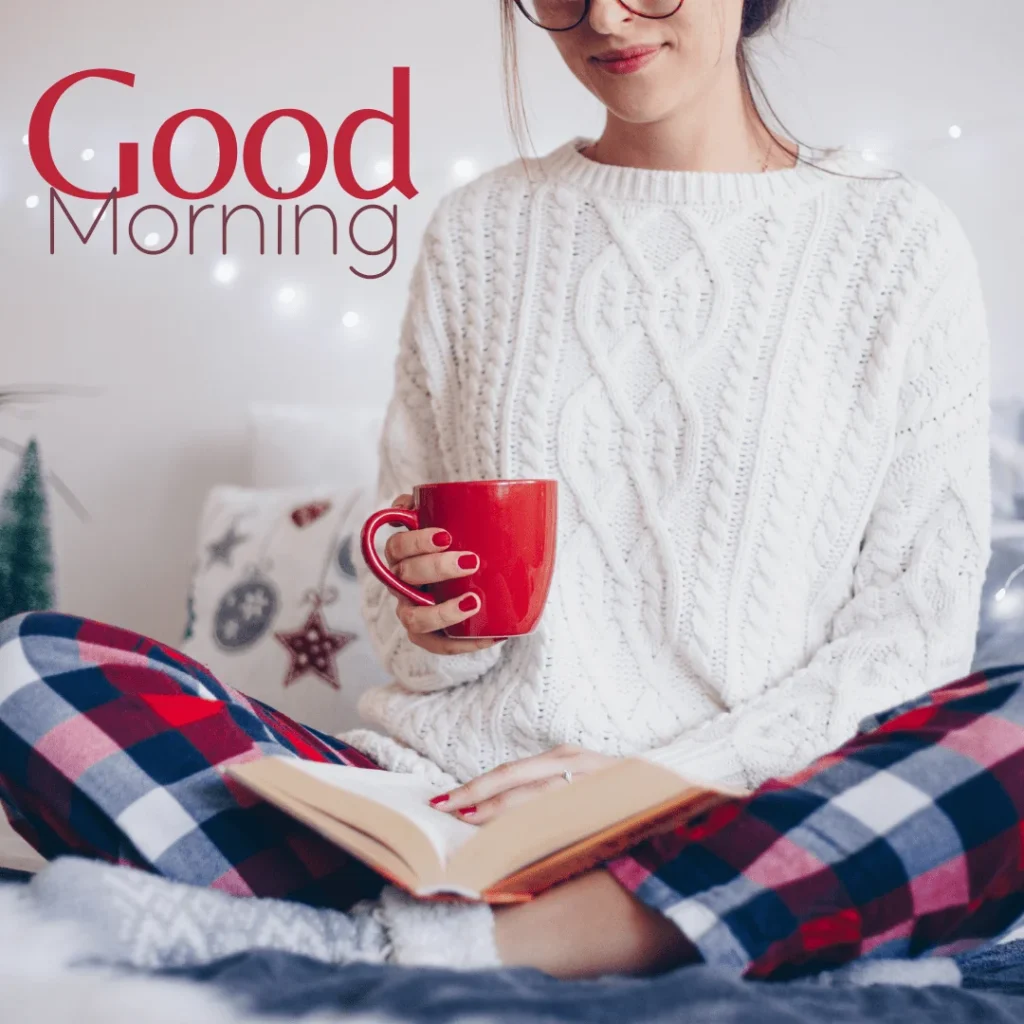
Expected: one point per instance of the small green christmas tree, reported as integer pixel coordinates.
(26, 555)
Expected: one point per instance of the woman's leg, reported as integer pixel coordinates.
(906, 841)
(110, 745)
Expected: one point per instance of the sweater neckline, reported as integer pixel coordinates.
(570, 166)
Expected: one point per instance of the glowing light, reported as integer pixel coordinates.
(96, 213)
(464, 169)
(32, 202)
(870, 155)
(1009, 607)
(290, 299)
(303, 159)
(1008, 603)
(955, 131)
(88, 154)
(351, 319)
(152, 240)
(24, 140)
(225, 271)
(383, 168)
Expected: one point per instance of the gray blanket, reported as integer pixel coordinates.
(992, 992)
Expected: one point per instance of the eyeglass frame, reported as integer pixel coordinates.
(586, 11)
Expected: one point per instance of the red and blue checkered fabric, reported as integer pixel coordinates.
(906, 841)
(109, 748)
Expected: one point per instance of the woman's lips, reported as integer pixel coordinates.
(636, 59)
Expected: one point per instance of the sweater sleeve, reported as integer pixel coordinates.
(912, 617)
(415, 448)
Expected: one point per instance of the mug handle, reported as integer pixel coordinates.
(409, 518)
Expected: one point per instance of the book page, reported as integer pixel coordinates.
(407, 794)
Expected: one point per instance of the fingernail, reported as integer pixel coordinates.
(468, 561)
(468, 603)
(442, 799)
(468, 810)
(441, 539)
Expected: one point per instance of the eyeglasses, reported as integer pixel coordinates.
(562, 15)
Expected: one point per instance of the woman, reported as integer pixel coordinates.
(760, 375)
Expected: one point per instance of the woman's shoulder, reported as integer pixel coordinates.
(870, 174)
(893, 202)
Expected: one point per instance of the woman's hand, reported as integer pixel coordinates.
(418, 557)
(509, 784)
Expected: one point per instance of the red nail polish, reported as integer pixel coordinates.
(442, 799)
(468, 562)
(441, 539)
(468, 810)
(468, 603)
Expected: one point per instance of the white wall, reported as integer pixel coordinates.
(174, 358)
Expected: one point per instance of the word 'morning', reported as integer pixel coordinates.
(226, 217)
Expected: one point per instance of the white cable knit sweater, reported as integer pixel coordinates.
(765, 397)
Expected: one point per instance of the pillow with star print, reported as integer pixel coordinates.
(274, 606)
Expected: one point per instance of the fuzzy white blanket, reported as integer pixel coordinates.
(46, 978)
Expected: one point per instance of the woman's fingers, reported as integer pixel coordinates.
(450, 565)
(430, 618)
(510, 776)
(419, 558)
(424, 625)
(410, 543)
(487, 810)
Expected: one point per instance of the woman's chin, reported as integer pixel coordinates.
(642, 111)
(635, 101)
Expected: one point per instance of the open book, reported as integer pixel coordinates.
(385, 819)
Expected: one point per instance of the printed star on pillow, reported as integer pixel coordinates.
(313, 649)
(221, 550)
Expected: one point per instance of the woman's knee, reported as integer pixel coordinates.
(10, 629)
(39, 624)
(35, 646)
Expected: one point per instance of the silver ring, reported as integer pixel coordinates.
(567, 775)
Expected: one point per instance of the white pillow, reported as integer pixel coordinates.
(296, 445)
(275, 606)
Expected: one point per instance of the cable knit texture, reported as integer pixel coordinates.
(765, 399)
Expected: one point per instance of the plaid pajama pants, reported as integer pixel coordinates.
(904, 842)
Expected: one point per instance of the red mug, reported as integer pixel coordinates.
(509, 524)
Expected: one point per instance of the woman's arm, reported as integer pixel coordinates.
(416, 447)
(911, 622)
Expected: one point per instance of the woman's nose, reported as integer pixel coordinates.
(607, 15)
